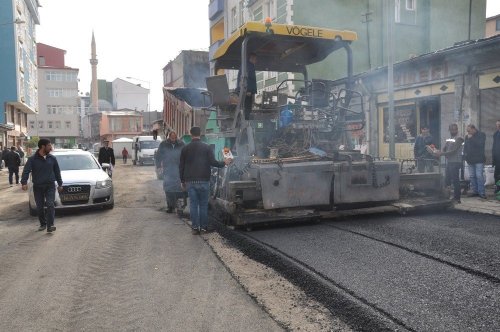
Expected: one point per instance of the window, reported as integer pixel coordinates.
(58, 124)
(32, 124)
(234, 19)
(67, 124)
(49, 125)
(40, 124)
(397, 11)
(498, 24)
(242, 12)
(41, 60)
(411, 5)
(270, 9)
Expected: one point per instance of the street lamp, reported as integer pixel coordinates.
(149, 87)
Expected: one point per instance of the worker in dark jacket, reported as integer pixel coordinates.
(168, 158)
(424, 158)
(107, 155)
(12, 162)
(44, 171)
(475, 157)
(495, 151)
(194, 170)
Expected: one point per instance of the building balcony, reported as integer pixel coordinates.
(213, 48)
(214, 8)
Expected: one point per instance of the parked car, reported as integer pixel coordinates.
(85, 183)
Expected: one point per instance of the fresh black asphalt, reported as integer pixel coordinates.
(422, 272)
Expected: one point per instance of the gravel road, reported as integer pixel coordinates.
(130, 268)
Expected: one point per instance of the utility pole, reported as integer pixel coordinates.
(390, 74)
(366, 19)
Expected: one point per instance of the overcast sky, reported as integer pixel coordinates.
(134, 38)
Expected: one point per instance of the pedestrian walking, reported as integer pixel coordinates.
(422, 155)
(44, 171)
(495, 151)
(12, 162)
(5, 151)
(453, 154)
(168, 158)
(124, 155)
(107, 155)
(194, 169)
(475, 157)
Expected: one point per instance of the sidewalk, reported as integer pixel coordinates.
(479, 205)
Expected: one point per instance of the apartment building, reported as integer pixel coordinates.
(18, 72)
(420, 26)
(59, 104)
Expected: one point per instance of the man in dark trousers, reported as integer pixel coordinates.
(194, 170)
(168, 156)
(12, 162)
(496, 155)
(251, 84)
(44, 171)
(475, 157)
(453, 153)
(107, 155)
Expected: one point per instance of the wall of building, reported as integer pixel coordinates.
(492, 26)
(18, 86)
(129, 95)
(58, 116)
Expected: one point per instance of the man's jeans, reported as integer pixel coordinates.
(452, 177)
(476, 177)
(13, 171)
(44, 197)
(198, 203)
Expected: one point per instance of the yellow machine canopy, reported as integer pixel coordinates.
(280, 47)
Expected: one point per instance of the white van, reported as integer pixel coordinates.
(143, 150)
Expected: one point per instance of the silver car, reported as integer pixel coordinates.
(85, 182)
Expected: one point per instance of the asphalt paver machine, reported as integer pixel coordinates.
(294, 158)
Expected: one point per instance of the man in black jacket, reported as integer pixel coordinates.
(194, 170)
(475, 158)
(424, 159)
(44, 171)
(107, 155)
(12, 162)
(495, 151)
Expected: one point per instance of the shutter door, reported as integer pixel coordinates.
(490, 113)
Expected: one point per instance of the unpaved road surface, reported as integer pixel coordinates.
(130, 268)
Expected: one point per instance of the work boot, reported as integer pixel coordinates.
(42, 228)
(51, 229)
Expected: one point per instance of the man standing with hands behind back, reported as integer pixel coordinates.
(194, 171)
(44, 171)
